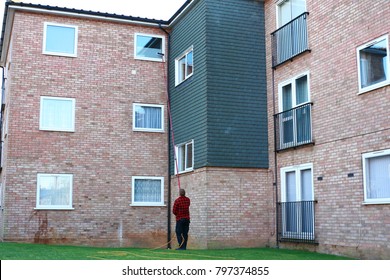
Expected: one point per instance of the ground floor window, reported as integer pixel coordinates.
(147, 191)
(376, 173)
(54, 191)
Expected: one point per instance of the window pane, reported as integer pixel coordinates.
(284, 12)
(190, 63)
(287, 97)
(147, 190)
(54, 190)
(57, 114)
(306, 185)
(60, 39)
(189, 156)
(148, 117)
(373, 64)
(182, 69)
(150, 47)
(302, 90)
(291, 189)
(181, 158)
(378, 179)
(298, 7)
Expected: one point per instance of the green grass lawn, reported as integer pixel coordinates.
(22, 251)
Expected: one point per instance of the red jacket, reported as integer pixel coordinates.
(181, 208)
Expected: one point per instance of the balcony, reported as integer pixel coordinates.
(296, 221)
(293, 127)
(290, 40)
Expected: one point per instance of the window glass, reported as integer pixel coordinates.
(185, 157)
(148, 117)
(378, 178)
(184, 66)
(147, 191)
(149, 47)
(60, 40)
(54, 191)
(57, 114)
(374, 64)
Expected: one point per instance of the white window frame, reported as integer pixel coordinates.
(148, 129)
(162, 59)
(380, 84)
(365, 158)
(177, 66)
(55, 207)
(297, 169)
(178, 159)
(41, 116)
(278, 5)
(135, 203)
(74, 54)
(292, 81)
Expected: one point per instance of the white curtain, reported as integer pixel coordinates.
(378, 185)
(57, 114)
(54, 190)
(147, 190)
(148, 117)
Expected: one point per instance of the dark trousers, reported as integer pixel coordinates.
(182, 228)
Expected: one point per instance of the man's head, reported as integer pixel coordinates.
(182, 192)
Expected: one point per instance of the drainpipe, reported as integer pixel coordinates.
(168, 147)
(275, 184)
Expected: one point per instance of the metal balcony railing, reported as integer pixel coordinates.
(293, 127)
(296, 221)
(290, 40)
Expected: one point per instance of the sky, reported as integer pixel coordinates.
(153, 9)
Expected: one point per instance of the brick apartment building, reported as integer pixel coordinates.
(281, 140)
(329, 123)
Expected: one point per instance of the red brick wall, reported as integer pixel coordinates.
(230, 207)
(102, 154)
(345, 124)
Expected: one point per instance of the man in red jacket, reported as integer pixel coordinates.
(181, 209)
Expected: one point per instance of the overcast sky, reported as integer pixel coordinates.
(153, 9)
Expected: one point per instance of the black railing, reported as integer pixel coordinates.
(293, 127)
(296, 221)
(290, 40)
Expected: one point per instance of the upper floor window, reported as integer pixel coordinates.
(148, 117)
(376, 176)
(147, 191)
(54, 191)
(374, 64)
(287, 10)
(184, 66)
(60, 39)
(149, 47)
(57, 114)
(294, 120)
(185, 157)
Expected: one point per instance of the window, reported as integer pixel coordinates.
(149, 47)
(185, 157)
(148, 117)
(376, 176)
(289, 9)
(147, 191)
(184, 66)
(295, 118)
(298, 201)
(374, 63)
(59, 39)
(57, 114)
(54, 191)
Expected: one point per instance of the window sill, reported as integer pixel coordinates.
(374, 87)
(148, 130)
(375, 202)
(60, 54)
(146, 205)
(56, 130)
(150, 59)
(55, 209)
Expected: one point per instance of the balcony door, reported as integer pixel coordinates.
(290, 9)
(297, 202)
(295, 119)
